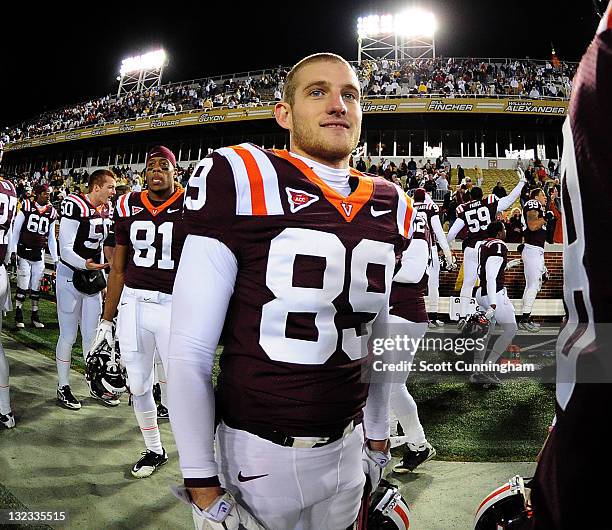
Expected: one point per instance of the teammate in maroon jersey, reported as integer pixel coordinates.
(8, 205)
(477, 214)
(295, 253)
(149, 240)
(424, 203)
(567, 491)
(408, 319)
(492, 296)
(34, 230)
(535, 217)
(85, 223)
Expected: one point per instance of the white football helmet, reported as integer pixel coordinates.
(388, 509)
(506, 508)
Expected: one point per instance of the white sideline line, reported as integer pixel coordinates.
(533, 346)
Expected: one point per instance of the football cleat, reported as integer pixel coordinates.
(162, 412)
(461, 323)
(36, 320)
(528, 325)
(149, 462)
(108, 398)
(433, 324)
(485, 379)
(66, 398)
(507, 507)
(414, 456)
(8, 420)
(19, 318)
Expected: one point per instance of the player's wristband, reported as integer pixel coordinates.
(209, 482)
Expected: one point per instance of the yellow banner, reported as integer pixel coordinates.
(370, 106)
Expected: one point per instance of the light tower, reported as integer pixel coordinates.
(407, 35)
(141, 72)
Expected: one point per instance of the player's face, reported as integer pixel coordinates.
(541, 198)
(106, 190)
(325, 117)
(43, 198)
(160, 176)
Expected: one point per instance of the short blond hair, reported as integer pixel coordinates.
(290, 83)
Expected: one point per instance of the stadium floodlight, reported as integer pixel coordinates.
(148, 61)
(405, 35)
(141, 72)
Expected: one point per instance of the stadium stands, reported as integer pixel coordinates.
(441, 77)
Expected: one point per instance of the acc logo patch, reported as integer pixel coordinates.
(136, 210)
(299, 199)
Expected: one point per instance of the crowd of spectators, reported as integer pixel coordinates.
(441, 77)
(463, 77)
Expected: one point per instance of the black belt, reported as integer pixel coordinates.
(285, 440)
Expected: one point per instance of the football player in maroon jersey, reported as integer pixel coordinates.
(295, 253)
(84, 225)
(492, 296)
(535, 217)
(149, 239)
(8, 205)
(477, 214)
(34, 231)
(567, 491)
(408, 319)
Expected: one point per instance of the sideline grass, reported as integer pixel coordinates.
(463, 422)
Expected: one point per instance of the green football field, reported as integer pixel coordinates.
(463, 422)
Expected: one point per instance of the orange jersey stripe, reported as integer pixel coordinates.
(258, 196)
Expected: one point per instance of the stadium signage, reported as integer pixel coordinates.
(206, 118)
(385, 107)
(164, 123)
(441, 106)
(370, 106)
(522, 107)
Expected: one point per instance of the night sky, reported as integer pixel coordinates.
(51, 58)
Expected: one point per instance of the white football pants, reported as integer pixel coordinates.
(470, 275)
(533, 264)
(433, 283)
(30, 273)
(74, 310)
(5, 403)
(505, 317)
(143, 326)
(290, 488)
(403, 406)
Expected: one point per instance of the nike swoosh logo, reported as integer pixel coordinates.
(173, 211)
(378, 213)
(242, 478)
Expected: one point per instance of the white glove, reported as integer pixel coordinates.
(513, 263)
(521, 175)
(223, 514)
(490, 313)
(104, 332)
(451, 263)
(374, 463)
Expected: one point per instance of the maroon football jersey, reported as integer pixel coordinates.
(408, 299)
(8, 205)
(477, 216)
(94, 225)
(314, 270)
(154, 233)
(534, 237)
(487, 249)
(430, 209)
(35, 229)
